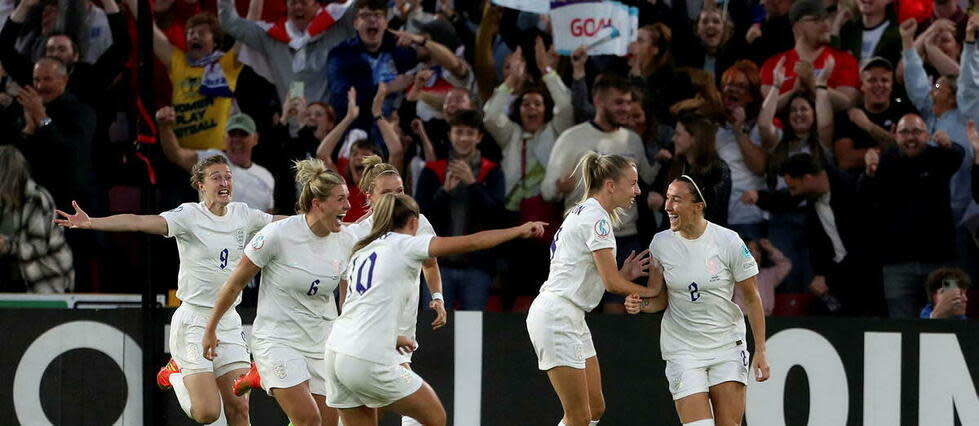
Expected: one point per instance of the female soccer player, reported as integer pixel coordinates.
(362, 367)
(582, 268)
(703, 332)
(303, 258)
(211, 237)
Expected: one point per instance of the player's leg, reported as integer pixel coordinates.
(405, 420)
(199, 391)
(728, 400)
(190, 374)
(235, 407)
(422, 405)
(571, 385)
(596, 398)
(298, 404)
(328, 415)
(688, 385)
(694, 409)
(358, 416)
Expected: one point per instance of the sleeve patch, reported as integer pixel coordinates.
(258, 242)
(603, 229)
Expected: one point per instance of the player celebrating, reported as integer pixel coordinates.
(363, 371)
(211, 237)
(302, 259)
(703, 331)
(582, 268)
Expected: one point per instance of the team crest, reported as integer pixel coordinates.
(713, 265)
(337, 267)
(279, 370)
(258, 242)
(603, 229)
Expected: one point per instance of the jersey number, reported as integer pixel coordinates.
(223, 257)
(554, 243)
(313, 288)
(694, 292)
(362, 287)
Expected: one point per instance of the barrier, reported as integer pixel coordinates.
(85, 367)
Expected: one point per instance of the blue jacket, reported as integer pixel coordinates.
(351, 65)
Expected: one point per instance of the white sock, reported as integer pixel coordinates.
(408, 421)
(183, 397)
(562, 423)
(593, 423)
(704, 422)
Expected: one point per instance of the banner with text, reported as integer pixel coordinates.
(605, 27)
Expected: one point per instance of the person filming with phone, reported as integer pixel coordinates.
(947, 288)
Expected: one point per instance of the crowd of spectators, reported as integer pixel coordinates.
(835, 136)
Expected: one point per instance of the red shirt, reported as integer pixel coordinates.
(358, 201)
(845, 73)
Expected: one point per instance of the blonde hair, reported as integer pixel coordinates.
(393, 211)
(374, 167)
(314, 181)
(199, 172)
(596, 169)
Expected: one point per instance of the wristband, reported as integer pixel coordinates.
(438, 296)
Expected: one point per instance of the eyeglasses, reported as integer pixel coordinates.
(367, 16)
(912, 132)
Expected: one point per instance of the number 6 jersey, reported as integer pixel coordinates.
(299, 273)
(701, 319)
(380, 277)
(210, 247)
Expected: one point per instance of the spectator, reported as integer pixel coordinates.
(869, 124)
(442, 69)
(774, 267)
(294, 48)
(462, 195)
(875, 33)
(650, 68)
(695, 155)
(204, 80)
(254, 185)
(773, 35)
(33, 255)
(811, 30)
(949, 10)
(715, 49)
(606, 133)
(947, 294)
(87, 81)
(738, 144)
(938, 48)
(840, 249)
(457, 99)
(917, 170)
(294, 137)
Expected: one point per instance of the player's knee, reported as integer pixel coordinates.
(236, 410)
(597, 409)
(311, 418)
(438, 418)
(206, 414)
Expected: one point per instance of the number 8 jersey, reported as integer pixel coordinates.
(573, 274)
(701, 320)
(380, 277)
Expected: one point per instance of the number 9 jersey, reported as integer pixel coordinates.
(701, 321)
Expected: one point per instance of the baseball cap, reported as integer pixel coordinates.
(241, 122)
(803, 8)
(876, 61)
(441, 32)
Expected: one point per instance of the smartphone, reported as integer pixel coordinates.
(950, 284)
(297, 89)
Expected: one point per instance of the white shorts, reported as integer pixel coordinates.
(690, 376)
(353, 382)
(186, 331)
(559, 333)
(281, 366)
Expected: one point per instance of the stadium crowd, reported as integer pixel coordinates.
(835, 136)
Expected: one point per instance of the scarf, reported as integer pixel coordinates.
(285, 31)
(214, 83)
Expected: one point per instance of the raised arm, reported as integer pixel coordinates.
(150, 224)
(243, 30)
(495, 118)
(162, 47)
(325, 150)
(243, 274)
(18, 65)
(183, 157)
(388, 132)
(560, 94)
(968, 93)
(441, 55)
(444, 246)
(824, 108)
(766, 117)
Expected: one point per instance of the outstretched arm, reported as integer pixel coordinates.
(444, 246)
(150, 224)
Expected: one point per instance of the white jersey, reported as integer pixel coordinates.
(702, 319)
(210, 247)
(379, 278)
(573, 273)
(409, 316)
(299, 273)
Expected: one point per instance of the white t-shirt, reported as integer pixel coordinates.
(870, 38)
(210, 247)
(409, 316)
(254, 186)
(573, 274)
(702, 319)
(299, 273)
(379, 279)
(742, 179)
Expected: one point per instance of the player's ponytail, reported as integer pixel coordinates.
(595, 169)
(314, 181)
(393, 211)
(374, 168)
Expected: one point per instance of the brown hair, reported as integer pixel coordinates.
(315, 181)
(206, 18)
(14, 174)
(393, 211)
(199, 173)
(937, 277)
(374, 168)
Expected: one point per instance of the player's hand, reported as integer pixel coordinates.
(636, 265)
(406, 345)
(79, 220)
(760, 366)
(210, 344)
(633, 304)
(532, 229)
(440, 316)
